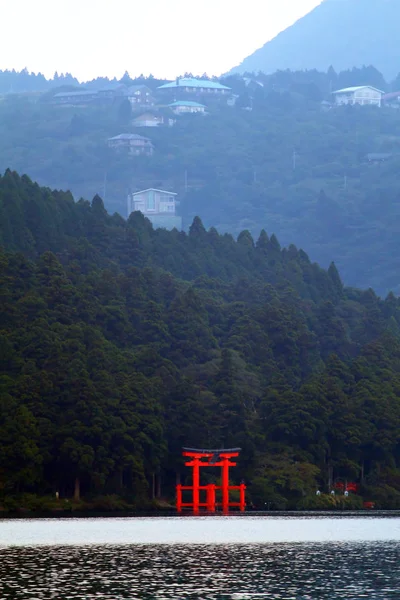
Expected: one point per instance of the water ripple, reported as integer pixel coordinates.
(202, 572)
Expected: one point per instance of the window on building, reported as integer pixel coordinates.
(171, 208)
(151, 201)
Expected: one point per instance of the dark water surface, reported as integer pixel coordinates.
(337, 569)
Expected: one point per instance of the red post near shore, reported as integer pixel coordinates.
(242, 502)
(225, 485)
(211, 497)
(210, 458)
(179, 498)
(196, 485)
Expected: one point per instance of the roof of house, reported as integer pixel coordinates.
(80, 93)
(194, 83)
(248, 81)
(355, 88)
(154, 190)
(391, 95)
(186, 103)
(129, 136)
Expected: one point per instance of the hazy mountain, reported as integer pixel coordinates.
(342, 33)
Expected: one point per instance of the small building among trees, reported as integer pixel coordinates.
(152, 119)
(159, 206)
(140, 96)
(132, 142)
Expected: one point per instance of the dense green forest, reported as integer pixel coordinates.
(120, 344)
(277, 160)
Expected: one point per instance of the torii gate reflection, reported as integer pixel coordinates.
(213, 458)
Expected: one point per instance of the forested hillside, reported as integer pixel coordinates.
(120, 344)
(287, 165)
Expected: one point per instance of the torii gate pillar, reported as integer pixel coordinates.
(210, 458)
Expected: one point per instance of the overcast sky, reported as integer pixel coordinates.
(90, 38)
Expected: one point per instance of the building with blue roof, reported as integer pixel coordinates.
(189, 87)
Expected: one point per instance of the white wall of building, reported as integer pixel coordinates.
(364, 97)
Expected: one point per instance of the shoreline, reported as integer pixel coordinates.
(156, 514)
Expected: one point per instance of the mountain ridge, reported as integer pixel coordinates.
(326, 37)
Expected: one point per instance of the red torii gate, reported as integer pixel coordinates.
(213, 458)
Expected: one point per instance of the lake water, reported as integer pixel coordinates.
(237, 558)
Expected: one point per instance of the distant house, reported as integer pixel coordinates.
(253, 84)
(392, 99)
(182, 107)
(75, 98)
(362, 94)
(150, 119)
(157, 205)
(232, 99)
(189, 86)
(139, 96)
(132, 142)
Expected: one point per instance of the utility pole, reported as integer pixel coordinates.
(186, 181)
(345, 183)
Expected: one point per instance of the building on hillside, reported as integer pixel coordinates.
(232, 99)
(189, 87)
(152, 119)
(183, 107)
(140, 96)
(132, 142)
(361, 94)
(392, 99)
(159, 206)
(76, 98)
(253, 85)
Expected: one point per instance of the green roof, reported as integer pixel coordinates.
(194, 83)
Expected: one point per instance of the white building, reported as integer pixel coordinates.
(183, 107)
(149, 119)
(157, 205)
(361, 94)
